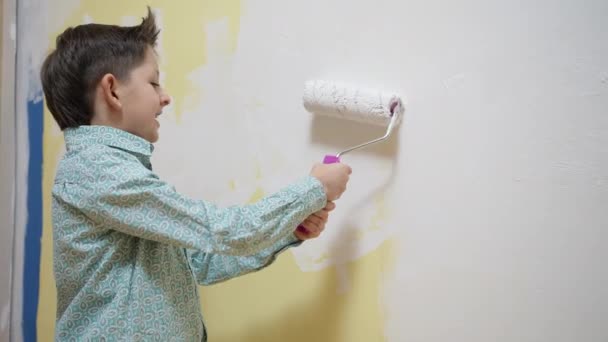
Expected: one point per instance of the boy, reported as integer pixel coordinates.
(130, 250)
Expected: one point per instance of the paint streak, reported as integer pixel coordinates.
(232, 185)
(322, 258)
(257, 104)
(258, 170)
(33, 228)
(257, 195)
(381, 213)
(377, 220)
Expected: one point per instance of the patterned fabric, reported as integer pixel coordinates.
(129, 250)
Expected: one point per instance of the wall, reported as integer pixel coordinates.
(483, 219)
(7, 166)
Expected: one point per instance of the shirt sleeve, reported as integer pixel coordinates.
(129, 198)
(214, 268)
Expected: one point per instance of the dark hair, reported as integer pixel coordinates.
(83, 55)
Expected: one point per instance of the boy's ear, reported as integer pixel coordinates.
(108, 84)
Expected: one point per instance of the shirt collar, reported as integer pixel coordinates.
(106, 135)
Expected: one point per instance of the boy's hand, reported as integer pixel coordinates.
(315, 223)
(333, 177)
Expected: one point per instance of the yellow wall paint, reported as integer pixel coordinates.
(257, 195)
(280, 303)
(53, 142)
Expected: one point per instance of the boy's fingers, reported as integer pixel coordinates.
(314, 225)
(314, 229)
(315, 219)
(330, 206)
(323, 215)
(308, 230)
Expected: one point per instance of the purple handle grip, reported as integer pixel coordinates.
(329, 159)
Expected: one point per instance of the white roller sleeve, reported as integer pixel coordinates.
(344, 101)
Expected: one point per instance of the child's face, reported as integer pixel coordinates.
(143, 99)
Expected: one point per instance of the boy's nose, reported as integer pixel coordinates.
(165, 99)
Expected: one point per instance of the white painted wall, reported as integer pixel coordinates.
(496, 186)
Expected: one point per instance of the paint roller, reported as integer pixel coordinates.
(346, 101)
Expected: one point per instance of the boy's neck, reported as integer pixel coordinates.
(102, 118)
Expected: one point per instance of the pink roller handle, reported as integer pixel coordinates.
(329, 159)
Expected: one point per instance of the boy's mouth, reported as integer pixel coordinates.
(158, 114)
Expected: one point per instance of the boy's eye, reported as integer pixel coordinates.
(154, 84)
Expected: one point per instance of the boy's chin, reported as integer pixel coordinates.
(153, 137)
(150, 136)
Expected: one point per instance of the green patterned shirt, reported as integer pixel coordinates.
(129, 250)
